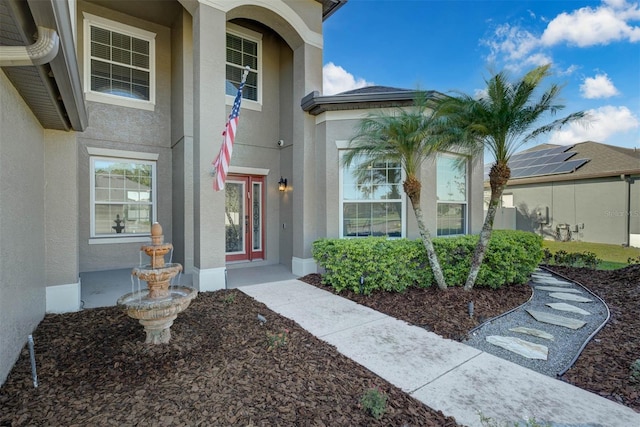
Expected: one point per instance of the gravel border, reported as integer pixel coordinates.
(567, 343)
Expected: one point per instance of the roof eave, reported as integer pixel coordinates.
(567, 177)
(315, 104)
(56, 14)
(329, 7)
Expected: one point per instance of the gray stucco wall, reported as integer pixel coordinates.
(599, 204)
(128, 129)
(182, 139)
(22, 253)
(61, 207)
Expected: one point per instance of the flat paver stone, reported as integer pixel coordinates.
(534, 332)
(554, 319)
(557, 289)
(569, 297)
(552, 282)
(563, 306)
(519, 346)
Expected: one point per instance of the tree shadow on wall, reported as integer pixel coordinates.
(530, 220)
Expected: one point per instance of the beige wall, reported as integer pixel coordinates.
(599, 204)
(129, 129)
(22, 224)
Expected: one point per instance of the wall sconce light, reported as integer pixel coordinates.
(282, 184)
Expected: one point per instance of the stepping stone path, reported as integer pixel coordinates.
(542, 313)
(557, 289)
(554, 319)
(532, 331)
(569, 297)
(562, 306)
(524, 348)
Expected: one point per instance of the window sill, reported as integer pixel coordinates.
(246, 103)
(120, 101)
(115, 240)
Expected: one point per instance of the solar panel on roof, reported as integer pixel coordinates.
(570, 166)
(548, 161)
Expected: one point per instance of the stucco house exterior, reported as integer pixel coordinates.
(111, 116)
(593, 195)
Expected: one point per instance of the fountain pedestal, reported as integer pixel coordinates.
(157, 306)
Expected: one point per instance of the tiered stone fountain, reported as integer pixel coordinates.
(157, 306)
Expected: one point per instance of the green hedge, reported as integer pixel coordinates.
(394, 265)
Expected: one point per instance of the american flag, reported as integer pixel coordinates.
(221, 163)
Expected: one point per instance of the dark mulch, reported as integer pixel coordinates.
(218, 369)
(604, 365)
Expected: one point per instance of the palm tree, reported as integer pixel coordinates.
(501, 121)
(407, 137)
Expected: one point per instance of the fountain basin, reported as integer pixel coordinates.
(157, 278)
(157, 314)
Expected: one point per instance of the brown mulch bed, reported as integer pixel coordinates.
(218, 368)
(604, 365)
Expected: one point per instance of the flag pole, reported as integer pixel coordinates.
(223, 159)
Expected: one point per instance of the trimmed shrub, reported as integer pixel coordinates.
(394, 265)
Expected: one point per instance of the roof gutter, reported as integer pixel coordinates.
(567, 177)
(315, 104)
(41, 52)
(56, 14)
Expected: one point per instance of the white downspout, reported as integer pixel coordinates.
(41, 52)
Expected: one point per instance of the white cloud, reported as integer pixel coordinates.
(602, 123)
(511, 42)
(570, 70)
(336, 79)
(588, 26)
(599, 86)
(517, 47)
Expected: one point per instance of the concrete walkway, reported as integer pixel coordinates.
(446, 375)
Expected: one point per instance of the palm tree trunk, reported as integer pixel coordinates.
(481, 247)
(428, 245)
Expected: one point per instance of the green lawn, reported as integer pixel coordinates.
(612, 256)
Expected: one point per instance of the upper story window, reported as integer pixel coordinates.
(452, 194)
(243, 49)
(119, 63)
(372, 200)
(123, 202)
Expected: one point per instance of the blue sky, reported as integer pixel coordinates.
(454, 45)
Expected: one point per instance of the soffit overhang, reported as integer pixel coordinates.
(316, 104)
(53, 91)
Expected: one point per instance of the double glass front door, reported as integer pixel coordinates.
(244, 218)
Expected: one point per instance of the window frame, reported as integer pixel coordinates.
(464, 203)
(342, 201)
(118, 27)
(255, 37)
(120, 156)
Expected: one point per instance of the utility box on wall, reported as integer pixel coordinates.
(542, 215)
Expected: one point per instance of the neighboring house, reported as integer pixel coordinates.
(587, 192)
(111, 120)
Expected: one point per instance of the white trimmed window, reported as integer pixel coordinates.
(244, 48)
(372, 200)
(123, 202)
(452, 194)
(119, 63)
